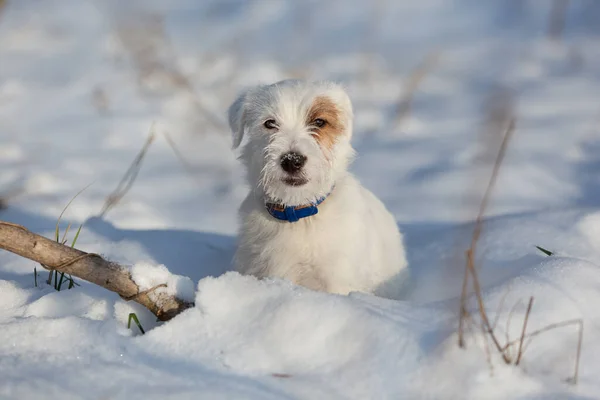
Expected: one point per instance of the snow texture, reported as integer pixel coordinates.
(149, 277)
(81, 84)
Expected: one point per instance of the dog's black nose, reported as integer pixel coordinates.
(292, 162)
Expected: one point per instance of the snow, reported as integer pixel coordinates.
(149, 277)
(82, 83)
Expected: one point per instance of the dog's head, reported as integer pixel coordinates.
(298, 138)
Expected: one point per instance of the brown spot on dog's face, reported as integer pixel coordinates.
(325, 120)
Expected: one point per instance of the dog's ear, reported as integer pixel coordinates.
(237, 118)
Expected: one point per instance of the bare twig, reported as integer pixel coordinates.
(129, 178)
(547, 328)
(481, 306)
(507, 349)
(492, 182)
(470, 264)
(87, 266)
(488, 353)
(520, 352)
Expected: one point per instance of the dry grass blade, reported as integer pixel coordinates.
(481, 306)
(578, 356)
(520, 352)
(556, 21)
(507, 348)
(154, 57)
(404, 104)
(463, 310)
(57, 229)
(470, 264)
(280, 375)
(550, 327)
(488, 353)
(500, 308)
(2, 6)
(64, 238)
(129, 178)
(492, 182)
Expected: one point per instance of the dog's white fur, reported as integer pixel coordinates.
(353, 243)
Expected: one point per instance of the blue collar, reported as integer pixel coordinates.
(294, 214)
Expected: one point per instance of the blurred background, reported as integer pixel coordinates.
(83, 83)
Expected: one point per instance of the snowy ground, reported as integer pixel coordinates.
(81, 84)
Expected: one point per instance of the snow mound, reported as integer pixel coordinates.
(148, 276)
(273, 329)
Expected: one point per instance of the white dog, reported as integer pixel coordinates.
(306, 218)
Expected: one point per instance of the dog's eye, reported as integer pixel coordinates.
(270, 124)
(319, 123)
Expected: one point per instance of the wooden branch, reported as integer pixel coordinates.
(87, 266)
